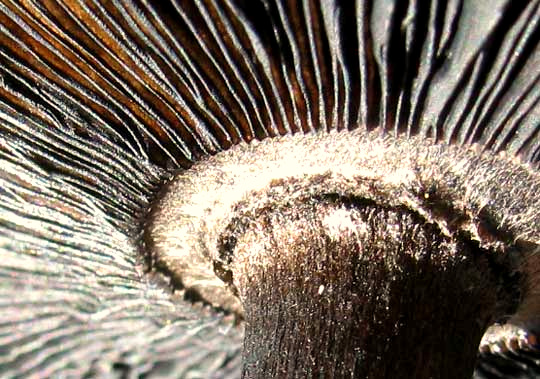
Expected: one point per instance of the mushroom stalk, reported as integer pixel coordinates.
(374, 294)
(350, 255)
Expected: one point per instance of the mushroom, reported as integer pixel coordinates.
(269, 189)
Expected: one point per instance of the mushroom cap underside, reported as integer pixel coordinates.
(101, 102)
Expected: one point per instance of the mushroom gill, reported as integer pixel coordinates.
(220, 188)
